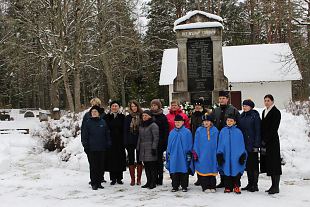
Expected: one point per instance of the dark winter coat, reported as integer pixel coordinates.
(221, 113)
(95, 135)
(196, 121)
(116, 155)
(271, 162)
(130, 138)
(87, 116)
(148, 141)
(250, 125)
(161, 120)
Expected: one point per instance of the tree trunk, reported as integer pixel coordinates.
(77, 57)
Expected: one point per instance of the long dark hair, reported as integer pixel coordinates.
(136, 103)
(270, 97)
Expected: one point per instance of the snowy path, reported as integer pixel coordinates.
(33, 180)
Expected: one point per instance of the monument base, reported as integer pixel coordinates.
(181, 96)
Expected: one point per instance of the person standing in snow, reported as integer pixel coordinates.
(96, 140)
(250, 125)
(147, 147)
(204, 154)
(270, 149)
(196, 121)
(87, 116)
(231, 155)
(116, 156)
(131, 134)
(175, 109)
(220, 115)
(161, 120)
(179, 154)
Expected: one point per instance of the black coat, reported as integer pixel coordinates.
(250, 125)
(95, 135)
(196, 121)
(221, 113)
(130, 138)
(271, 162)
(116, 155)
(161, 120)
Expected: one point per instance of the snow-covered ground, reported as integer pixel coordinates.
(32, 177)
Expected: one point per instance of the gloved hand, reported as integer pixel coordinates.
(220, 159)
(86, 150)
(195, 156)
(242, 159)
(263, 150)
(154, 152)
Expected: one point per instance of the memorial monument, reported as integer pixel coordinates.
(200, 64)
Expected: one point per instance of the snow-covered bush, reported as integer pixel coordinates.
(300, 108)
(56, 134)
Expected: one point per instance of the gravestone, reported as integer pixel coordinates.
(200, 62)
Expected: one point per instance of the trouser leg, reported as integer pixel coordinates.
(184, 180)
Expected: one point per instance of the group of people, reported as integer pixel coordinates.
(221, 141)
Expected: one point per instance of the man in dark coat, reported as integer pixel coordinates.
(196, 122)
(270, 150)
(96, 140)
(116, 156)
(161, 120)
(220, 115)
(196, 118)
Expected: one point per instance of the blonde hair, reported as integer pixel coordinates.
(175, 102)
(95, 102)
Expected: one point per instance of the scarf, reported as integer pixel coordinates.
(157, 112)
(135, 122)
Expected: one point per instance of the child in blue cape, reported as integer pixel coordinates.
(231, 155)
(204, 154)
(179, 154)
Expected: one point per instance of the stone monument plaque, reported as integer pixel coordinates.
(200, 65)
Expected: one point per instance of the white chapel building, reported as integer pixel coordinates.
(252, 70)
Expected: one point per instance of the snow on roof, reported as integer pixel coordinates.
(264, 62)
(198, 25)
(169, 66)
(192, 13)
(245, 63)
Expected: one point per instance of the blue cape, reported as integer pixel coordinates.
(231, 145)
(180, 144)
(206, 150)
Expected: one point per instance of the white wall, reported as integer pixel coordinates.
(281, 91)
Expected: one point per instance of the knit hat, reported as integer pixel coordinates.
(115, 102)
(207, 118)
(148, 112)
(224, 93)
(231, 116)
(198, 102)
(97, 108)
(156, 102)
(178, 117)
(248, 102)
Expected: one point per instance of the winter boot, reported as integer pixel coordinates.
(148, 178)
(139, 173)
(255, 181)
(250, 181)
(153, 174)
(132, 174)
(237, 189)
(276, 182)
